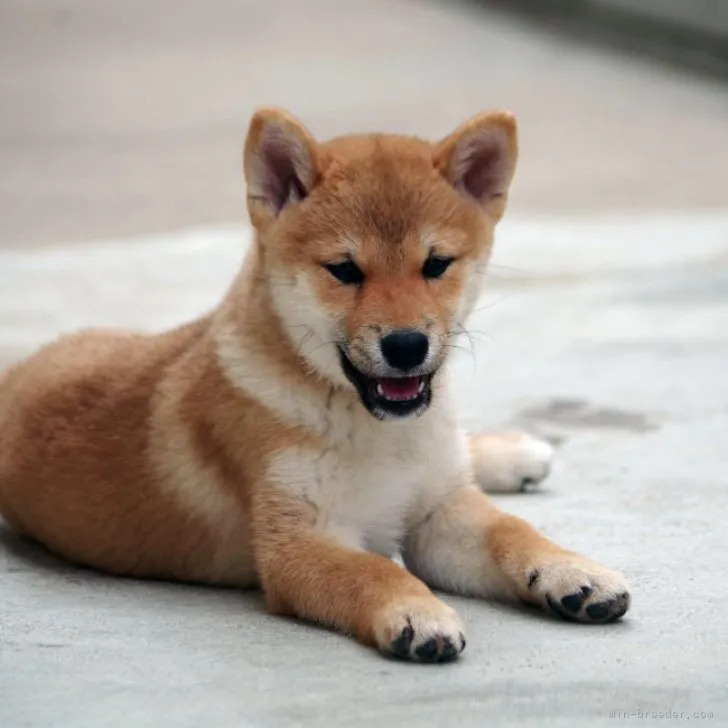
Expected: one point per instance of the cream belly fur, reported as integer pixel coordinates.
(303, 432)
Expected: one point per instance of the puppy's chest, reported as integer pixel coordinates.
(367, 497)
(368, 481)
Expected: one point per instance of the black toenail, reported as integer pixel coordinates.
(401, 645)
(449, 651)
(618, 614)
(600, 610)
(555, 607)
(462, 642)
(526, 483)
(427, 651)
(533, 578)
(621, 605)
(572, 602)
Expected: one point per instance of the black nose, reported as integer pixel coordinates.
(405, 349)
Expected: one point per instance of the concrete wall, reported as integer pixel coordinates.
(710, 16)
(692, 34)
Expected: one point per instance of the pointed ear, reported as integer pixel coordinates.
(279, 161)
(479, 159)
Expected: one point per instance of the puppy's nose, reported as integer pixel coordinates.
(405, 349)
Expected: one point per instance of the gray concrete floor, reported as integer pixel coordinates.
(605, 327)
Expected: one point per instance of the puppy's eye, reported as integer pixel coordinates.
(346, 272)
(435, 266)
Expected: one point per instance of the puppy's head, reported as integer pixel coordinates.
(374, 246)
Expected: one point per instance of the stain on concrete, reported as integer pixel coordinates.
(580, 413)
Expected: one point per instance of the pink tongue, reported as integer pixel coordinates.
(400, 388)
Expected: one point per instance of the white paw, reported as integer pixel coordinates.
(577, 588)
(511, 462)
(423, 629)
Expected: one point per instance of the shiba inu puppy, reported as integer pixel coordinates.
(304, 431)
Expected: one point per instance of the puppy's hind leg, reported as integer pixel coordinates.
(509, 462)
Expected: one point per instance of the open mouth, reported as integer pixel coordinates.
(390, 397)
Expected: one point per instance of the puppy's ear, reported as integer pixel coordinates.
(479, 159)
(279, 161)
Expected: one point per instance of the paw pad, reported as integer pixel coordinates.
(408, 645)
(580, 590)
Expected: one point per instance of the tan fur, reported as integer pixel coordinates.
(233, 450)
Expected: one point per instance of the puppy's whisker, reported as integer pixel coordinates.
(509, 268)
(319, 346)
(469, 352)
(486, 306)
(473, 336)
(305, 338)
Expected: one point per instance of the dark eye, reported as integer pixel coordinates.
(346, 272)
(435, 266)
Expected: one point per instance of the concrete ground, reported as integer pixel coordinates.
(605, 327)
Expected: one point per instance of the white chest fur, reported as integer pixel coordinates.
(372, 478)
(369, 479)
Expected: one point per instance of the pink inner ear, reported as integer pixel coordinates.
(281, 161)
(478, 167)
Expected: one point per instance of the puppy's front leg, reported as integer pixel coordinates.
(310, 574)
(468, 546)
